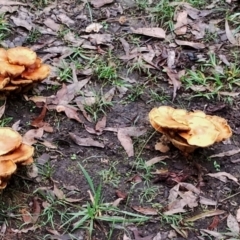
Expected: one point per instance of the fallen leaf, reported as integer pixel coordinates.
(26, 216)
(227, 153)
(222, 176)
(214, 224)
(205, 214)
(101, 124)
(126, 46)
(49, 22)
(180, 231)
(58, 192)
(32, 170)
(195, 45)
(93, 27)
(100, 3)
(233, 224)
(25, 230)
(124, 136)
(117, 202)
(121, 194)
(31, 136)
(71, 112)
(155, 160)
(174, 211)
(87, 142)
(11, 3)
(136, 179)
(180, 27)
(97, 39)
(175, 80)
(215, 234)
(163, 148)
(207, 201)
(151, 32)
(36, 210)
(238, 215)
(229, 34)
(145, 210)
(16, 125)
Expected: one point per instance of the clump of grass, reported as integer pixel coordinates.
(97, 210)
(4, 28)
(33, 36)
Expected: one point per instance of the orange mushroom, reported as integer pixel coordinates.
(8, 69)
(38, 74)
(9, 140)
(189, 130)
(21, 56)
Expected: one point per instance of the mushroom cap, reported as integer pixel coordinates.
(38, 74)
(9, 140)
(36, 64)
(3, 184)
(221, 126)
(162, 117)
(21, 56)
(3, 54)
(202, 133)
(180, 143)
(28, 161)
(4, 81)
(9, 88)
(180, 115)
(7, 167)
(8, 69)
(21, 154)
(21, 81)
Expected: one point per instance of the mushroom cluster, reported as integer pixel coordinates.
(20, 67)
(189, 130)
(12, 153)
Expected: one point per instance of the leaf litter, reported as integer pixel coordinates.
(183, 196)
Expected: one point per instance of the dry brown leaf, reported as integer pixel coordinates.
(161, 147)
(31, 136)
(101, 124)
(180, 27)
(25, 230)
(207, 201)
(174, 211)
(195, 45)
(70, 112)
(124, 136)
(175, 79)
(100, 3)
(155, 160)
(145, 210)
(233, 224)
(108, 96)
(11, 3)
(26, 216)
(36, 210)
(97, 39)
(205, 214)
(126, 46)
(58, 192)
(229, 34)
(49, 22)
(117, 202)
(151, 32)
(93, 27)
(87, 142)
(238, 215)
(227, 153)
(222, 176)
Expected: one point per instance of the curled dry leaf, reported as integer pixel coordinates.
(101, 124)
(222, 176)
(155, 160)
(180, 27)
(87, 142)
(100, 3)
(229, 34)
(145, 210)
(227, 153)
(195, 45)
(31, 136)
(151, 32)
(93, 27)
(205, 214)
(124, 136)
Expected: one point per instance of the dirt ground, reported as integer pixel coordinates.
(40, 200)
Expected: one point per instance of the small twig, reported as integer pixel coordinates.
(223, 200)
